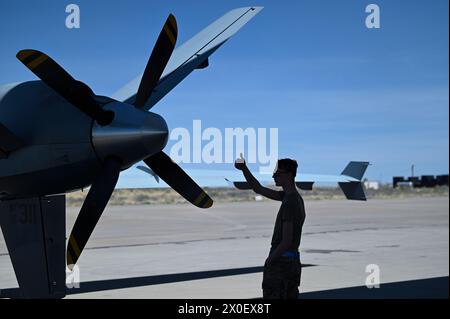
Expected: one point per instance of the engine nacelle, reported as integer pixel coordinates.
(133, 135)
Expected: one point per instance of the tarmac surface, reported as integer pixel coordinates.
(179, 251)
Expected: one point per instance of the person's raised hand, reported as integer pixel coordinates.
(240, 163)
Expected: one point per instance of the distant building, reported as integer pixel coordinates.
(372, 185)
(423, 181)
(442, 180)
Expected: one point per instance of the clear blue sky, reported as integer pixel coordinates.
(336, 90)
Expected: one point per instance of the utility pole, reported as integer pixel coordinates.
(412, 170)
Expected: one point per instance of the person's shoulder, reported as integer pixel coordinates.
(292, 197)
(295, 199)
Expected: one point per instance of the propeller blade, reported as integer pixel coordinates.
(158, 60)
(75, 92)
(92, 209)
(176, 178)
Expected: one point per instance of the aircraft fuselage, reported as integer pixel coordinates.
(63, 148)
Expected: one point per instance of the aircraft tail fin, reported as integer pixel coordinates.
(354, 190)
(355, 169)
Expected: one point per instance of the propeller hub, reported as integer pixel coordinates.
(133, 135)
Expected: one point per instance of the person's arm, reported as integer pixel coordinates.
(286, 241)
(255, 184)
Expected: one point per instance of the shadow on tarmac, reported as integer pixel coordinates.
(111, 284)
(432, 288)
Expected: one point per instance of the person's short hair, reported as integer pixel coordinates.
(289, 165)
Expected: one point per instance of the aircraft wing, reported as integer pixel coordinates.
(349, 180)
(191, 55)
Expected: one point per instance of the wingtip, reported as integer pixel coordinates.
(254, 9)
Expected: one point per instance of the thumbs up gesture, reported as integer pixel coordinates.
(240, 163)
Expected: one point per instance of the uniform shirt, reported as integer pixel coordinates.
(292, 209)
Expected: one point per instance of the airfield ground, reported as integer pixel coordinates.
(179, 251)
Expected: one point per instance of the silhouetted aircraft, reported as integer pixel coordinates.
(57, 135)
(349, 180)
